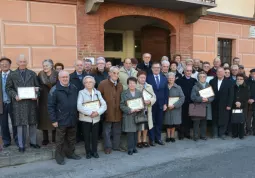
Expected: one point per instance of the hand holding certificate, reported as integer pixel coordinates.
(26, 93)
(92, 105)
(172, 100)
(146, 95)
(206, 93)
(135, 104)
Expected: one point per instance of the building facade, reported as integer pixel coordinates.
(65, 30)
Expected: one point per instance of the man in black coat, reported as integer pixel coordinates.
(100, 73)
(186, 83)
(146, 64)
(221, 106)
(62, 107)
(76, 79)
(251, 84)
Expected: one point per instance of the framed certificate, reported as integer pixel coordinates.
(92, 105)
(146, 95)
(172, 100)
(206, 93)
(135, 104)
(26, 93)
(209, 78)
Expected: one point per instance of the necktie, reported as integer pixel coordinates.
(5, 96)
(4, 79)
(157, 81)
(23, 74)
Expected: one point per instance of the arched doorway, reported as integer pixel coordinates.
(131, 36)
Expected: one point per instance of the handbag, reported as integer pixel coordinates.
(237, 116)
(197, 110)
(142, 118)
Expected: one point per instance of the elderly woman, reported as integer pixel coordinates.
(241, 96)
(227, 73)
(173, 69)
(173, 115)
(47, 79)
(190, 62)
(129, 124)
(143, 127)
(180, 67)
(196, 98)
(89, 115)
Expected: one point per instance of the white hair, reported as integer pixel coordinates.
(216, 59)
(189, 60)
(100, 59)
(234, 67)
(21, 56)
(146, 54)
(114, 68)
(165, 62)
(170, 74)
(196, 60)
(89, 77)
(49, 61)
(62, 72)
(75, 62)
(164, 58)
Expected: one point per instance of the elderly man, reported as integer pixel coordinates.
(160, 88)
(125, 72)
(234, 72)
(87, 66)
(100, 72)
(216, 65)
(24, 110)
(236, 61)
(206, 67)
(62, 107)
(197, 65)
(251, 101)
(165, 67)
(76, 79)
(5, 105)
(186, 83)
(146, 64)
(111, 90)
(223, 100)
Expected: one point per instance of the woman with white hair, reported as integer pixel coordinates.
(173, 114)
(89, 114)
(48, 77)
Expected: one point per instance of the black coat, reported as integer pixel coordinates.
(251, 84)
(143, 67)
(99, 76)
(62, 105)
(74, 79)
(222, 99)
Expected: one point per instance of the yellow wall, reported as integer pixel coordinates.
(243, 8)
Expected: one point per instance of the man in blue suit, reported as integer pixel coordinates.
(160, 87)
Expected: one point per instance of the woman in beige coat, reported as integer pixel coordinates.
(143, 127)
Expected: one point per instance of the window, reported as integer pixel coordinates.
(225, 50)
(113, 41)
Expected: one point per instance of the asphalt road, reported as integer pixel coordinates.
(184, 159)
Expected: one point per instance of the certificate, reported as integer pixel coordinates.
(206, 93)
(209, 78)
(172, 100)
(92, 105)
(26, 93)
(146, 95)
(135, 104)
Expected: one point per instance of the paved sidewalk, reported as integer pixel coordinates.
(120, 164)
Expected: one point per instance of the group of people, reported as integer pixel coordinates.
(91, 103)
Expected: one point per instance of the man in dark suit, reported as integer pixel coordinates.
(186, 83)
(224, 94)
(216, 65)
(160, 87)
(146, 64)
(5, 105)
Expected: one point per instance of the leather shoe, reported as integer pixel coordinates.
(74, 156)
(172, 140)
(135, 151)
(160, 142)
(61, 162)
(203, 138)
(130, 152)
(107, 151)
(88, 156)
(152, 143)
(45, 142)
(34, 146)
(188, 136)
(22, 150)
(95, 155)
(6, 145)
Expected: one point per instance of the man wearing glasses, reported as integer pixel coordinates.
(186, 83)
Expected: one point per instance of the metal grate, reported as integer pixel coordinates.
(225, 50)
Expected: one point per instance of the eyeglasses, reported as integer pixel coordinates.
(188, 70)
(239, 79)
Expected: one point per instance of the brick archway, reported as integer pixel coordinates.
(91, 27)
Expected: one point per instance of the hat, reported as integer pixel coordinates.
(252, 70)
(5, 59)
(241, 67)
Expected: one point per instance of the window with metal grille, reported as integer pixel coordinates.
(225, 50)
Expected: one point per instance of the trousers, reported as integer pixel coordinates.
(132, 140)
(90, 133)
(199, 124)
(112, 129)
(22, 135)
(157, 116)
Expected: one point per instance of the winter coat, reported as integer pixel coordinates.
(111, 95)
(174, 116)
(196, 98)
(149, 88)
(24, 111)
(143, 67)
(123, 76)
(46, 83)
(186, 85)
(62, 105)
(251, 84)
(84, 112)
(99, 76)
(128, 121)
(74, 79)
(1, 94)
